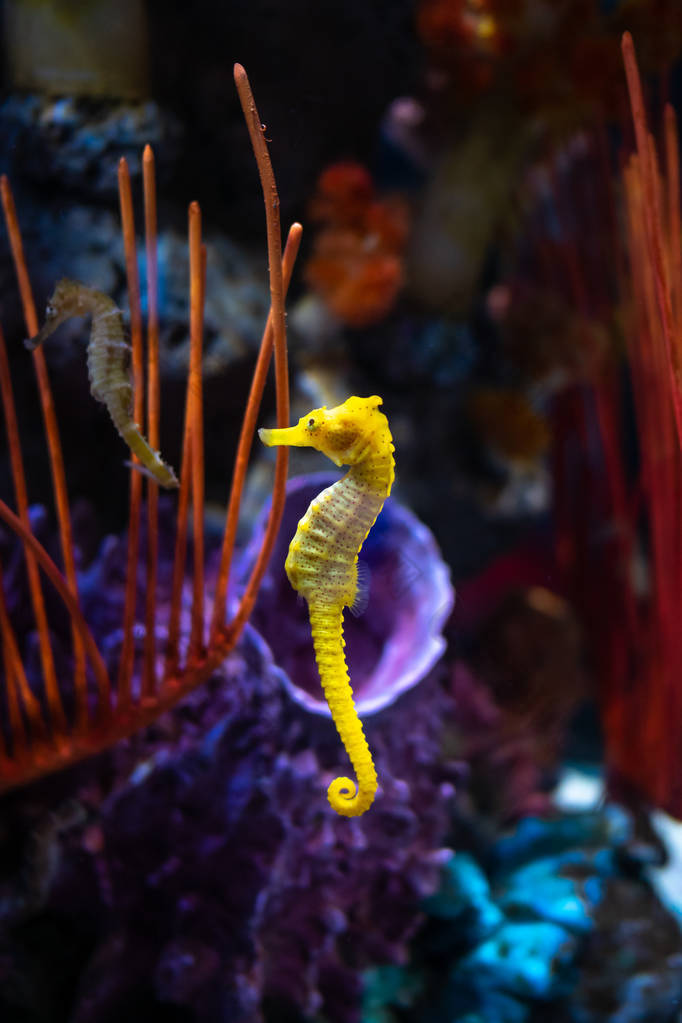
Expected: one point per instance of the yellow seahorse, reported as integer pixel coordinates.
(322, 564)
(107, 354)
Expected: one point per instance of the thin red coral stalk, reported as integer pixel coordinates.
(657, 714)
(654, 344)
(653, 220)
(58, 475)
(197, 274)
(635, 626)
(257, 135)
(191, 470)
(126, 662)
(245, 440)
(27, 749)
(153, 419)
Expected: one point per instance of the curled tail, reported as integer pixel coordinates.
(345, 796)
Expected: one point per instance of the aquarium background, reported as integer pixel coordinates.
(491, 243)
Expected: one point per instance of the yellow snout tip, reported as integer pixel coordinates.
(291, 436)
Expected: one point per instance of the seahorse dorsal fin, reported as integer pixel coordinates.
(362, 584)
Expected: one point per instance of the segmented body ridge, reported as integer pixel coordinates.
(107, 365)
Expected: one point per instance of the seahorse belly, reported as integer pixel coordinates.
(322, 559)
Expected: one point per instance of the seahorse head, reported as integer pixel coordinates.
(341, 433)
(70, 298)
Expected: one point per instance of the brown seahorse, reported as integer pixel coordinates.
(107, 365)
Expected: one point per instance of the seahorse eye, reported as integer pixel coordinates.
(311, 422)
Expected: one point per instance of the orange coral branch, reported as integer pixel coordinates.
(56, 578)
(125, 668)
(654, 230)
(179, 553)
(19, 763)
(197, 277)
(153, 419)
(51, 687)
(16, 677)
(672, 163)
(654, 708)
(248, 429)
(11, 662)
(271, 198)
(187, 473)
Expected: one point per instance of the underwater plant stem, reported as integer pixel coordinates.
(73, 607)
(125, 667)
(271, 199)
(650, 716)
(31, 744)
(17, 683)
(153, 418)
(586, 297)
(192, 465)
(652, 213)
(672, 164)
(195, 420)
(246, 435)
(58, 479)
(19, 479)
(653, 402)
(179, 554)
(10, 663)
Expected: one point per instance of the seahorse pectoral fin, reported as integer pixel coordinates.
(362, 584)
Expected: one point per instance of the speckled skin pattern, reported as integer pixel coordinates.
(322, 564)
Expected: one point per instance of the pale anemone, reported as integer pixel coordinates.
(395, 642)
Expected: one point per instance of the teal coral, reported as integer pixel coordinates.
(510, 929)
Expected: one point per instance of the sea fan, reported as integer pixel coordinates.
(49, 718)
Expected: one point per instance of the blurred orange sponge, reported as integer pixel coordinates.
(448, 27)
(356, 265)
(507, 423)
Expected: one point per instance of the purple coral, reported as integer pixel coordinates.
(208, 874)
(396, 642)
(205, 872)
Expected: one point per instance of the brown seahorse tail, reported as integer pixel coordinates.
(159, 470)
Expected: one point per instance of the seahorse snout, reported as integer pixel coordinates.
(290, 436)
